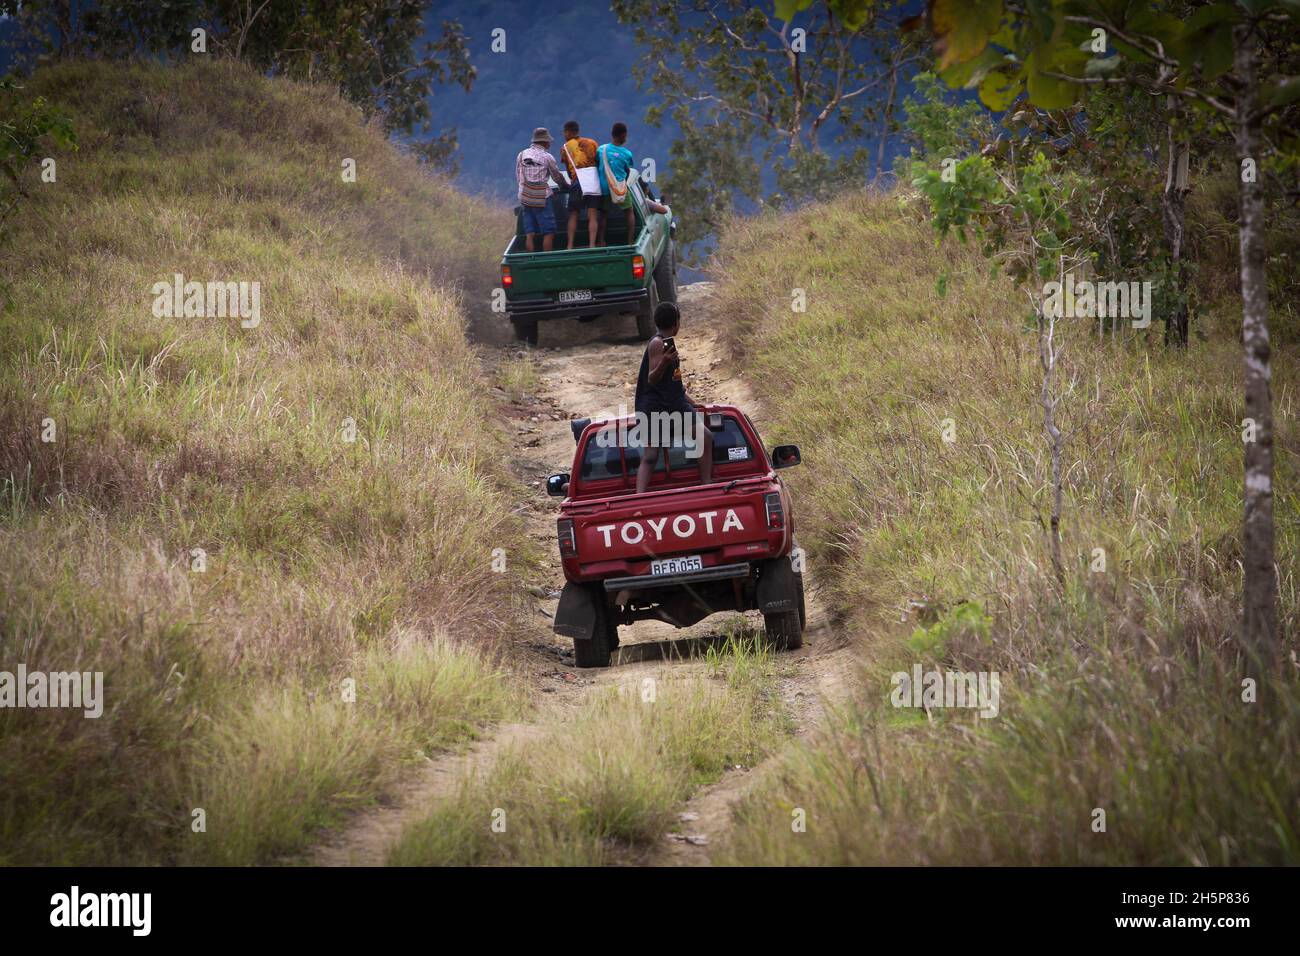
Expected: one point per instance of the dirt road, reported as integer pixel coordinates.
(589, 370)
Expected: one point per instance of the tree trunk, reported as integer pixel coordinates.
(1175, 210)
(1259, 594)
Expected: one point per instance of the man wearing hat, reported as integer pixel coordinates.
(535, 168)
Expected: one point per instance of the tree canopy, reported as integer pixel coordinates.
(370, 49)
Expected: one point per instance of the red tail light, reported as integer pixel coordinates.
(775, 511)
(568, 543)
(638, 267)
(506, 281)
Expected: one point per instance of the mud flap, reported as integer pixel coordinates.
(778, 587)
(576, 615)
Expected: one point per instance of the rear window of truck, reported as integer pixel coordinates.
(606, 459)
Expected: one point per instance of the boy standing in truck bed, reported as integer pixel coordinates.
(615, 161)
(535, 168)
(659, 390)
(579, 152)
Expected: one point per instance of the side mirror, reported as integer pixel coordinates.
(785, 456)
(557, 486)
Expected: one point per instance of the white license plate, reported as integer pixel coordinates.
(690, 562)
(576, 295)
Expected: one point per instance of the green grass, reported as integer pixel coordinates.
(1121, 689)
(603, 786)
(278, 767)
(518, 376)
(326, 558)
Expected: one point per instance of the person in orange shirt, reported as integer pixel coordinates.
(580, 153)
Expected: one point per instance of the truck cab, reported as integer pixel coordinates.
(681, 550)
(630, 274)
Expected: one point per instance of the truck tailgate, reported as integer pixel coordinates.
(540, 272)
(635, 529)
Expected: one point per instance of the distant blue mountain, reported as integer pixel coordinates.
(562, 62)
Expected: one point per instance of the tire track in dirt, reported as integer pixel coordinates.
(588, 371)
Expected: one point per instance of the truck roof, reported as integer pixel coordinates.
(608, 469)
(709, 409)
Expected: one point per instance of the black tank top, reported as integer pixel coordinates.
(669, 395)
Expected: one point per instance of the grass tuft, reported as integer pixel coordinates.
(602, 787)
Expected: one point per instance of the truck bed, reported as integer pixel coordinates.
(628, 276)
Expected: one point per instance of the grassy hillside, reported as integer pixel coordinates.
(1120, 691)
(324, 560)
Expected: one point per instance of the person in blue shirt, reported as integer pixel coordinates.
(618, 158)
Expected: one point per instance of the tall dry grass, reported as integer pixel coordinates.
(327, 559)
(1121, 688)
(605, 786)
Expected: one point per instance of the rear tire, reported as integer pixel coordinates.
(803, 613)
(525, 331)
(784, 630)
(596, 650)
(666, 275)
(645, 317)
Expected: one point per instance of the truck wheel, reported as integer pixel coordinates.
(784, 630)
(525, 331)
(645, 316)
(596, 650)
(666, 275)
(803, 614)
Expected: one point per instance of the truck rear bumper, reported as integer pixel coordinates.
(643, 581)
(600, 304)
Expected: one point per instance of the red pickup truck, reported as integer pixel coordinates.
(682, 550)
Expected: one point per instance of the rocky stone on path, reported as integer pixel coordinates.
(694, 839)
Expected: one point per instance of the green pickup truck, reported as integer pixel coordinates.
(630, 275)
